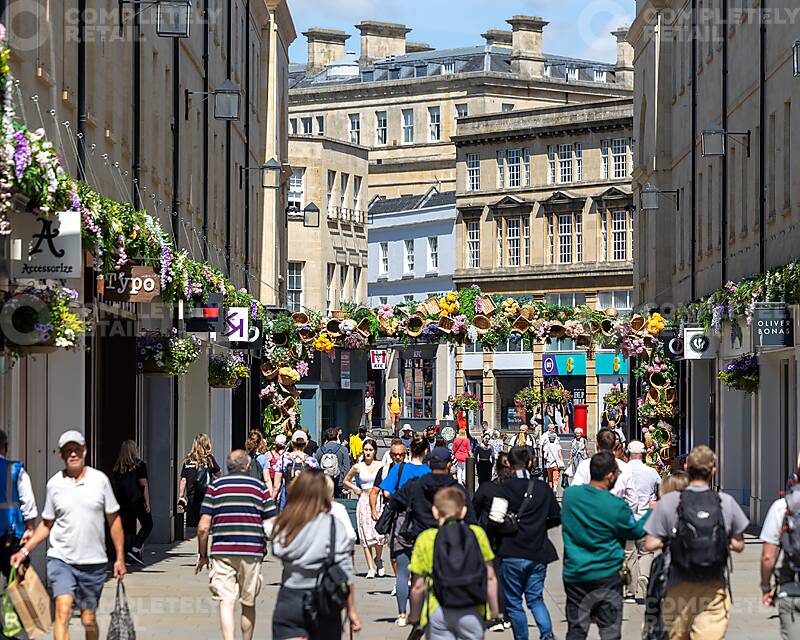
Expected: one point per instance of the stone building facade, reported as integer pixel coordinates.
(327, 264)
(733, 216)
(403, 99)
(545, 210)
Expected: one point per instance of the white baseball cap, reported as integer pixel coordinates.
(407, 427)
(71, 436)
(280, 439)
(299, 436)
(635, 446)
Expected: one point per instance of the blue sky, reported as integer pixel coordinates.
(578, 28)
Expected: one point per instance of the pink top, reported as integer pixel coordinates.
(461, 448)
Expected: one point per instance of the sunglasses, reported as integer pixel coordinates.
(397, 455)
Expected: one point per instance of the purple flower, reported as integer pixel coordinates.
(22, 154)
(76, 201)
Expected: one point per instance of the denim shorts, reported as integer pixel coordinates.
(84, 582)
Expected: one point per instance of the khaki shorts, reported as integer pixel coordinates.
(235, 578)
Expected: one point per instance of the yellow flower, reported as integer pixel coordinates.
(451, 296)
(655, 324)
(133, 234)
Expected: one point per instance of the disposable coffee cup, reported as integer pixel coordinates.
(498, 510)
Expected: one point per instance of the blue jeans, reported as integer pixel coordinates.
(525, 577)
(401, 582)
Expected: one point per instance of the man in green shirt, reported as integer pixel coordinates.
(595, 526)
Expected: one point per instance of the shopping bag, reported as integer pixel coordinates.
(121, 621)
(31, 602)
(12, 627)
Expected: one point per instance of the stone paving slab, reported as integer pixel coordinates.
(168, 601)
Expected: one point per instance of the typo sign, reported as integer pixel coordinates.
(773, 326)
(697, 345)
(132, 284)
(46, 247)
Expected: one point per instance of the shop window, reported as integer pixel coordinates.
(473, 348)
(418, 387)
(617, 299)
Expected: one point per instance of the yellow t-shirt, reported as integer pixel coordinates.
(394, 405)
(422, 564)
(356, 446)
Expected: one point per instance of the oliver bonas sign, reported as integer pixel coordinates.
(773, 326)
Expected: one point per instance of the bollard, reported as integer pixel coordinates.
(470, 473)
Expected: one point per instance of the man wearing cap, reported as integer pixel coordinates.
(291, 463)
(78, 503)
(406, 433)
(646, 482)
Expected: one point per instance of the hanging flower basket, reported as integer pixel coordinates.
(227, 370)
(467, 402)
(167, 355)
(741, 374)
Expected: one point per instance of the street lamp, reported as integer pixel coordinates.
(173, 17)
(227, 101)
(265, 169)
(713, 140)
(650, 198)
(311, 215)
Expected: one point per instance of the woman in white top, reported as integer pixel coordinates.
(553, 460)
(371, 541)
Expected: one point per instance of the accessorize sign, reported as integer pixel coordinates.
(772, 326)
(132, 284)
(46, 246)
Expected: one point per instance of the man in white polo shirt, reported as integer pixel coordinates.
(79, 501)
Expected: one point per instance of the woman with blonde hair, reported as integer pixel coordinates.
(254, 447)
(675, 481)
(301, 538)
(462, 448)
(129, 480)
(199, 469)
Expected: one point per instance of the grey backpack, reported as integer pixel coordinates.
(790, 535)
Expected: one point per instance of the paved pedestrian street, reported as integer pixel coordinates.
(168, 601)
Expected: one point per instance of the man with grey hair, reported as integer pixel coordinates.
(238, 543)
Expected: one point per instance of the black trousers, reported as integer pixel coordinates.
(9, 545)
(130, 515)
(600, 600)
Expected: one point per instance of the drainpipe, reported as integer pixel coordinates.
(724, 182)
(206, 125)
(137, 105)
(176, 138)
(82, 118)
(228, 159)
(693, 282)
(762, 78)
(246, 102)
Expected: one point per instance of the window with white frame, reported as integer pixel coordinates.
(615, 299)
(383, 258)
(572, 74)
(408, 256)
(565, 238)
(408, 299)
(307, 125)
(473, 172)
(474, 244)
(433, 254)
(578, 237)
(551, 164)
(329, 287)
(448, 68)
(343, 269)
(293, 126)
(462, 110)
(381, 131)
(603, 237)
(551, 238)
(619, 235)
(514, 171)
(357, 181)
(526, 239)
(331, 183)
(320, 125)
(355, 128)
(383, 300)
(408, 126)
(294, 286)
(619, 151)
(356, 283)
(565, 163)
(296, 187)
(435, 123)
(512, 233)
(526, 164)
(344, 179)
(600, 76)
(499, 227)
(578, 161)
(501, 169)
(604, 151)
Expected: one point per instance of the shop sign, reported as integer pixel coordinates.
(344, 368)
(378, 359)
(673, 343)
(697, 345)
(573, 364)
(736, 339)
(237, 324)
(773, 326)
(46, 247)
(132, 284)
(611, 364)
(206, 317)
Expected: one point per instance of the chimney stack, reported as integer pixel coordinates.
(497, 38)
(527, 56)
(324, 46)
(381, 39)
(624, 67)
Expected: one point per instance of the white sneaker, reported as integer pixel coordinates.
(381, 570)
(370, 574)
(394, 592)
(401, 620)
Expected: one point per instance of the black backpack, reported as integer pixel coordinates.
(330, 593)
(699, 543)
(790, 533)
(459, 570)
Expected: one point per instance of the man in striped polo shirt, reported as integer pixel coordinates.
(233, 512)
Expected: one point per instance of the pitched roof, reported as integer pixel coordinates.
(409, 203)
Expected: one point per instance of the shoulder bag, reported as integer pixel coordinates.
(330, 593)
(510, 525)
(385, 523)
